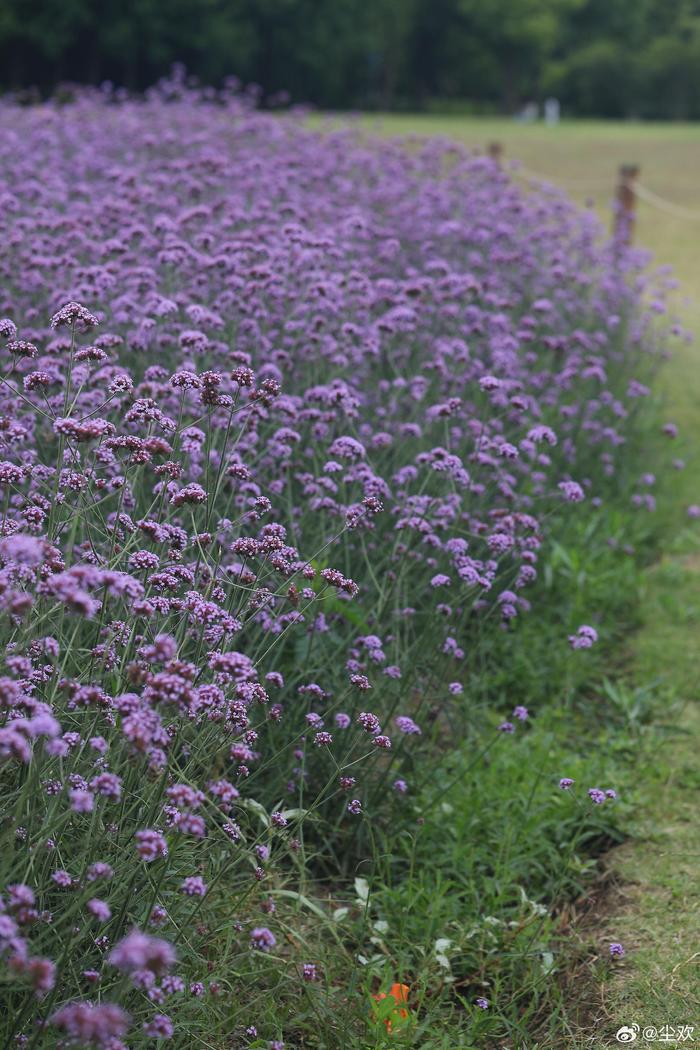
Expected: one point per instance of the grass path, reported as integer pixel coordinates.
(655, 908)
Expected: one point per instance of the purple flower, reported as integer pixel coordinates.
(139, 951)
(406, 725)
(100, 909)
(8, 928)
(22, 549)
(74, 314)
(482, 1003)
(565, 783)
(158, 916)
(584, 638)
(99, 870)
(597, 796)
(262, 939)
(194, 886)
(369, 722)
(332, 359)
(42, 974)
(107, 784)
(172, 984)
(489, 383)
(161, 1027)
(542, 433)
(347, 448)
(81, 801)
(572, 491)
(616, 950)
(151, 845)
(92, 1023)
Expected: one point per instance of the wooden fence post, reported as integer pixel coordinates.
(625, 204)
(495, 152)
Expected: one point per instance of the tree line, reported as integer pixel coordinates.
(607, 58)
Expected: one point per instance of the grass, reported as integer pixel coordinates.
(655, 908)
(454, 924)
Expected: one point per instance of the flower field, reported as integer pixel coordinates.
(305, 441)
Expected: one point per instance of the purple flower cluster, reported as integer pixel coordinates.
(236, 354)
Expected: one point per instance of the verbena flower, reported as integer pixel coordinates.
(280, 383)
(584, 638)
(92, 1023)
(160, 1027)
(194, 886)
(100, 909)
(140, 951)
(262, 939)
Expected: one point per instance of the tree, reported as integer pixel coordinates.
(601, 57)
(520, 34)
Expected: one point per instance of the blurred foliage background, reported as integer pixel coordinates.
(605, 58)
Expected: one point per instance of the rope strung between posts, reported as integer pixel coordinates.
(528, 173)
(662, 204)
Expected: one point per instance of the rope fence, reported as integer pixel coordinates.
(668, 206)
(594, 181)
(627, 191)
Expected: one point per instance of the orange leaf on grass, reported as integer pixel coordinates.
(399, 993)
